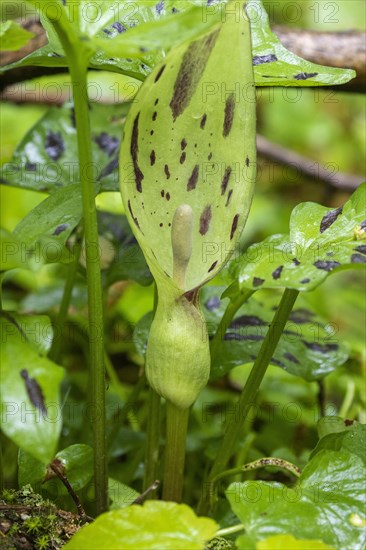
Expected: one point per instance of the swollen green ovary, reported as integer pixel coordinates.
(178, 356)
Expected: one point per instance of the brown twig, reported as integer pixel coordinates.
(57, 467)
(140, 499)
(305, 166)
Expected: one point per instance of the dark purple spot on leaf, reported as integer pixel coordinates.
(304, 76)
(257, 281)
(358, 259)
(229, 115)
(326, 265)
(322, 348)
(247, 161)
(295, 261)
(152, 158)
(159, 7)
(166, 171)
(205, 220)
(192, 182)
(167, 196)
(54, 145)
(107, 170)
(212, 267)
(119, 27)
(160, 72)
(34, 391)
(229, 197)
(190, 72)
(60, 228)
(277, 362)
(241, 337)
(329, 219)
(133, 217)
(260, 59)
(182, 157)
(276, 274)
(363, 224)
(183, 144)
(248, 321)
(209, 156)
(155, 114)
(361, 248)
(162, 193)
(225, 180)
(292, 358)
(31, 166)
(203, 121)
(134, 150)
(304, 281)
(108, 144)
(301, 316)
(234, 226)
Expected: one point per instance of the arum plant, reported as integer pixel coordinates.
(187, 177)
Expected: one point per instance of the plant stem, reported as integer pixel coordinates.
(176, 432)
(152, 439)
(250, 389)
(95, 298)
(77, 58)
(226, 319)
(230, 530)
(54, 353)
(152, 430)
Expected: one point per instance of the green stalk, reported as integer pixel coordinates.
(176, 432)
(54, 353)
(152, 440)
(250, 390)
(93, 272)
(78, 57)
(152, 430)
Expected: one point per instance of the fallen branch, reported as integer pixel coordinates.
(305, 166)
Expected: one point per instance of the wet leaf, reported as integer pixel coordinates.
(326, 503)
(46, 229)
(308, 347)
(122, 29)
(288, 542)
(321, 241)
(30, 403)
(34, 330)
(120, 494)
(151, 526)
(47, 157)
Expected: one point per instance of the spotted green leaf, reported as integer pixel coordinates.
(321, 240)
(132, 38)
(188, 143)
(187, 166)
(309, 346)
(274, 65)
(327, 503)
(30, 405)
(46, 158)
